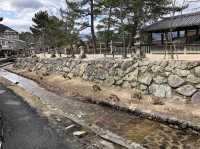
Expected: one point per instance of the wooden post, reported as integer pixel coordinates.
(100, 48)
(186, 35)
(162, 38)
(111, 46)
(178, 34)
(150, 38)
(197, 31)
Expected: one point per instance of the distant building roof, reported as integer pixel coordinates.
(179, 21)
(4, 28)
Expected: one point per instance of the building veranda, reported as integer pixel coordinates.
(185, 31)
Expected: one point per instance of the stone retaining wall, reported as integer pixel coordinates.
(176, 80)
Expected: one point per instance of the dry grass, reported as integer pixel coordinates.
(129, 97)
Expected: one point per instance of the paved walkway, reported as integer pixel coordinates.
(24, 129)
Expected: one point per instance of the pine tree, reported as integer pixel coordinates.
(69, 17)
(87, 11)
(108, 22)
(39, 29)
(48, 30)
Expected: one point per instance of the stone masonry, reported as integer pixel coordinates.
(165, 79)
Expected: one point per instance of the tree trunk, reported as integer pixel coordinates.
(92, 26)
(71, 51)
(133, 33)
(108, 28)
(173, 47)
(124, 55)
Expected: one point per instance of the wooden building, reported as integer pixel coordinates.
(9, 41)
(185, 31)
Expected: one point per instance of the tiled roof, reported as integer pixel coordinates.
(4, 27)
(180, 21)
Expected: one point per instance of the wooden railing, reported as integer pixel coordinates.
(147, 48)
(180, 48)
(116, 51)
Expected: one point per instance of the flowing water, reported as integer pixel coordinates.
(150, 134)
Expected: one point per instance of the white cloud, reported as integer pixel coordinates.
(26, 4)
(22, 25)
(22, 11)
(18, 13)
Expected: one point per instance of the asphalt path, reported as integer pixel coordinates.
(24, 128)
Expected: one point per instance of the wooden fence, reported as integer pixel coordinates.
(180, 48)
(147, 48)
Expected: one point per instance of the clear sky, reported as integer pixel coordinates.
(18, 13)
